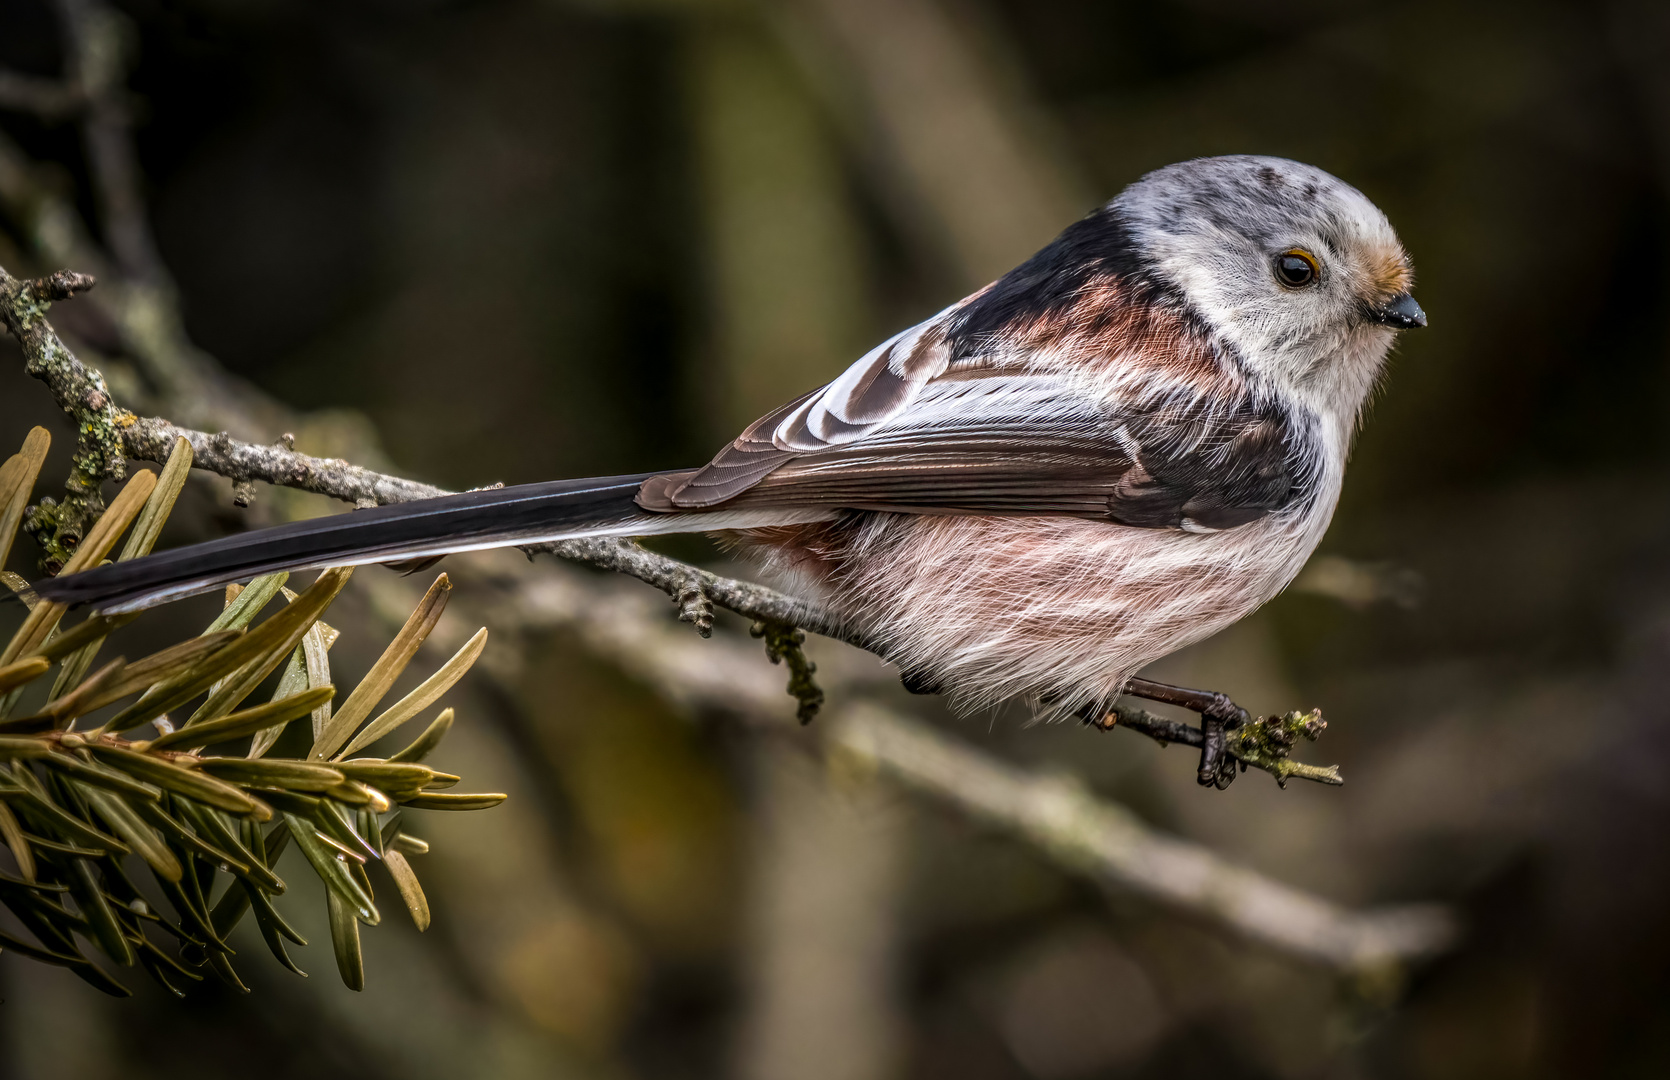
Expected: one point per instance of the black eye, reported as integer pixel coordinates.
(1296, 269)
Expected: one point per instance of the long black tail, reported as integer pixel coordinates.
(531, 513)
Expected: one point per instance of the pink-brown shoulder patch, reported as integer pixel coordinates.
(1109, 331)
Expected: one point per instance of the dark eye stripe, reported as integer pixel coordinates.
(1296, 269)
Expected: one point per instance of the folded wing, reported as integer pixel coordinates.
(1002, 440)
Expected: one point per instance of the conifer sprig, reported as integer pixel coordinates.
(130, 850)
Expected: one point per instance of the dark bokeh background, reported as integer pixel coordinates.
(529, 240)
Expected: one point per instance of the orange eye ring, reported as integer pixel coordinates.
(1297, 269)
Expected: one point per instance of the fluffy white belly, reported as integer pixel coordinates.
(1059, 611)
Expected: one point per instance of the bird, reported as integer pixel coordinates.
(1125, 444)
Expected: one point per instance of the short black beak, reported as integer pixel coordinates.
(1400, 313)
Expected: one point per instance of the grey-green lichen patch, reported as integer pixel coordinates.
(30, 309)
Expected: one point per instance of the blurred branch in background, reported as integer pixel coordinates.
(1085, 833)
(96, 40)
(824, 986)
(970, 163)
(49, 99)
(826, 866)
(772, 191)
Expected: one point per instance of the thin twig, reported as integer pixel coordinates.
(149, 439)
(675, 578)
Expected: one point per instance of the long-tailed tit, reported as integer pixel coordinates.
(1123, 445)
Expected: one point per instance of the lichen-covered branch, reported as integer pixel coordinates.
(59, 526)
(148, 439)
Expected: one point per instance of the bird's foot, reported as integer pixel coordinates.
(1218, 716)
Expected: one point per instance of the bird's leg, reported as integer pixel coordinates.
(1218, 715)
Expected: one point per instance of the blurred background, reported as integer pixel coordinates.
(521, 240)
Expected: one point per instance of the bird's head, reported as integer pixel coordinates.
(1294, 268)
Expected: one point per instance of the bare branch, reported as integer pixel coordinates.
(676, 579)
(148, 439)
